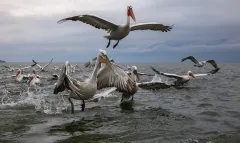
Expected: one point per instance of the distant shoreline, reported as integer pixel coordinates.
(2, 61)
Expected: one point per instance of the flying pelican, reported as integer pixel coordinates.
(197, 63)
(42, 68)
(81, 90)
(117, 32)
(214, 64)
(181, 79)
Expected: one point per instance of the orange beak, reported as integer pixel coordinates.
(102, 60)
(131, 14)
(192, 75)
(18, 73)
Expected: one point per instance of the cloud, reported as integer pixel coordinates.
(29, 29)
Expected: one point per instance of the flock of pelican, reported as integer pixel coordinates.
(106, 72)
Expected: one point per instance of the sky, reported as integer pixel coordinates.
(206, 29)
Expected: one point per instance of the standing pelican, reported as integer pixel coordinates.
(126, 83)
(197, 63)
(117, 32)
(42, 68)
(81, 90)
(181, 79)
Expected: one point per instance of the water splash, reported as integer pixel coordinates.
(156, 78)
(37, 98)
(103, 95)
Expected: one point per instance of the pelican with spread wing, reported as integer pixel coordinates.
(82, 90)
(117, 32)
(180, 79)
(196, 62)
(126, 83)
(42, 68)
(19, 69)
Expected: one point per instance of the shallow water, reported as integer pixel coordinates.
(207, 110)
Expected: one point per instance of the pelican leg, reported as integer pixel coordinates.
(83, 105)
(108, 43)
(115, 44)
(132, 97)
(72, 106)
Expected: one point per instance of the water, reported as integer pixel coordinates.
(207, 110)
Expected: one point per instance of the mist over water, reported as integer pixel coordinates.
(207, 110)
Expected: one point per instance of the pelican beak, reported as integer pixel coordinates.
(192, 75)
(130, 13)
(136, 73)
(104, 59)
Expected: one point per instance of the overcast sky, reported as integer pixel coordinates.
(206, 29)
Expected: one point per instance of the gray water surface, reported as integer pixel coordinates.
(207, 110)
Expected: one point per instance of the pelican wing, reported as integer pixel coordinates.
(27, 67)
(213, 63)
(172, 75)
(202, 74)
(107, 78)
(48, 64)
(214, 71)
(90, 63)
(151, 26)
(65, 81)
(6, 66)
(92, 20)
(36, 63)
(60, 84)
(190, 58)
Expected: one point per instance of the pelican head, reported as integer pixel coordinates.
(103, 58)
(134, 67)
(130, 13)
(67, 66)
(191, 74)
(18, 73)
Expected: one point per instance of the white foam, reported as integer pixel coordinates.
(38, 99)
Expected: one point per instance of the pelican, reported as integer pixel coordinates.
(81, 90)
(126, 83)
(214, 64)
(42, 68)
(197, 63)
(19, 76)
(34, 80)
(181, 79)
(117, 32)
